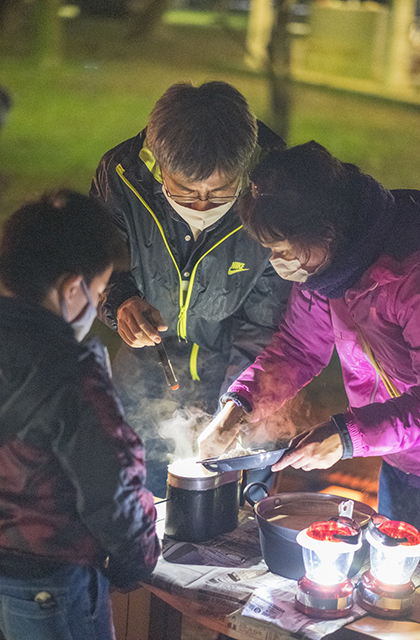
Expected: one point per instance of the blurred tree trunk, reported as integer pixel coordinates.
(403, 13)
(5, 6)
(260, 25)
(47, 40)
(147, 15)
(268, 51)
(278, 69)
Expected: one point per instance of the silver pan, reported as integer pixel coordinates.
(251, 461)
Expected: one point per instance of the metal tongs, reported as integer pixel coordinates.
(168, 370)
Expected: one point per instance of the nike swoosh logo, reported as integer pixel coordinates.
(233, 270)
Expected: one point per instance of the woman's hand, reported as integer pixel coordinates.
(133, 327)
(316, 449)
(221, 432)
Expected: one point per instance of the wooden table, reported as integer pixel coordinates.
(151, 613)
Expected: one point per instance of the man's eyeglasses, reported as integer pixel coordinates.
(212, 199)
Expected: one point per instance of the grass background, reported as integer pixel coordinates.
(63, 119)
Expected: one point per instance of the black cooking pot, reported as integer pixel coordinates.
(280, 518)
(201, 506)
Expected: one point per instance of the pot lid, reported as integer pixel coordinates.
(187, 474)
(297, 511)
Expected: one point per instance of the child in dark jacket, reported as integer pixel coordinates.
(74, 513)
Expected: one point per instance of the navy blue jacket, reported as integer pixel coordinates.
(234, 298)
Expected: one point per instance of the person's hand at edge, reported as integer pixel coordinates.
(133, 327)
(221, 432)
(319, 448)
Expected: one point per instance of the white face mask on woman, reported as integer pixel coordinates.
(293, 269)
(290, 269)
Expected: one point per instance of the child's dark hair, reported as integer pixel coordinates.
(62, 233)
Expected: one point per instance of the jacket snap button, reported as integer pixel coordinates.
(45, 600)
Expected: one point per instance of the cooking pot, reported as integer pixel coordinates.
(280, 518)
(201, 504)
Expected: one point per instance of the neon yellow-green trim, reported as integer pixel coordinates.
(120, 170)
(182, 321)
(149, 160)
(389, 385)
(193, 362)
(183, 306)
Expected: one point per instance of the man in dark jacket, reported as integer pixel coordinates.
(74, 513)
(172, 191)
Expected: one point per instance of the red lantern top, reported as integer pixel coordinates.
(330, 531)
(401, 530)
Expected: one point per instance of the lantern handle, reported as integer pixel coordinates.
(345, 508)
(349, 539)
(381, 536)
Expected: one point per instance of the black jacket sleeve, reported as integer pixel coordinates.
(121, 285)
(255, 323)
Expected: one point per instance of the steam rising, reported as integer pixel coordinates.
(186, 424)
(179, 417)
(281, 425)
(184, 428)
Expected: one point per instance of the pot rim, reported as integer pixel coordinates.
(280, 499)
(204, 483)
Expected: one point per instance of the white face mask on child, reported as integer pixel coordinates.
(82, 325)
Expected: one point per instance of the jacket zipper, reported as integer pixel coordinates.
(183, 306)
(392, 389)
(376, 385)
(120, 170)
(182, 322)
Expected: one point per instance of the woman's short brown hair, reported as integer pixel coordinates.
(303, 195)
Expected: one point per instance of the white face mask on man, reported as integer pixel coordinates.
(199, 220)
(82, 325)
(293, 269)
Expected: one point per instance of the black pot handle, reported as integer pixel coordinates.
(249, 488)
(211, 466)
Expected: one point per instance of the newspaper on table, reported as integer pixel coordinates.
(277, 606)
(230, 579)
(228, 576)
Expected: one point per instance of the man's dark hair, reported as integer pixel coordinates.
(196, 131)
(303, 195)
(62, 233)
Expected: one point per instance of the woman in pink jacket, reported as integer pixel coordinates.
(353, 250)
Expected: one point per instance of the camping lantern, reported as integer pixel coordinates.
(386, 589)
(328, 549)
